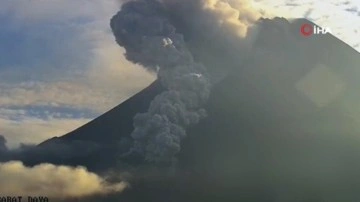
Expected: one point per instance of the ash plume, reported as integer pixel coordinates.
(163, 36)
(3, 146)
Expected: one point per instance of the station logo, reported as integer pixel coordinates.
(308, 30)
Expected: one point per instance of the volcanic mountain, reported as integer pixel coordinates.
(281, 126)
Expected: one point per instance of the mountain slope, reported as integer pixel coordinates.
(117, 121)
(283, 124)
(98, 144)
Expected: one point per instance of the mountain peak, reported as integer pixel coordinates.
(279, 59)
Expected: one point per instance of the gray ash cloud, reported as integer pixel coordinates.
(151, 40)
(153, 34)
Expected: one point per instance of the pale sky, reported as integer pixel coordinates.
(341, 16)
(60, 66)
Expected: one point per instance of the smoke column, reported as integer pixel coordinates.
(145, 29)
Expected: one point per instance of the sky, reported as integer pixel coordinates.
(60, 66)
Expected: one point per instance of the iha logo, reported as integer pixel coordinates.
(308, 30)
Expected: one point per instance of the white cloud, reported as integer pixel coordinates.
(52, 181)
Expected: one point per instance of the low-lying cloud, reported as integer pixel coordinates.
(53, 181)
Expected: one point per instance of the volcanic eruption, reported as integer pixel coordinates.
(144, 28)
(244, 109)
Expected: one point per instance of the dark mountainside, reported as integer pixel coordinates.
(264, 139)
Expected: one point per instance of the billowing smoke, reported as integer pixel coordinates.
(3, 146)
(52, 181)
(154, 34)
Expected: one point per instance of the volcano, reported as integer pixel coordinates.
(282, 126)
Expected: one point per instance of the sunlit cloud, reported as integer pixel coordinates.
(47, 180)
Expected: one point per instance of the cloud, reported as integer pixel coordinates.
(3, 146)
(353, 9)
(94, 92)
(60, 54)
(31, 130)
(291, 4)
(82, 61)
(52, 181)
